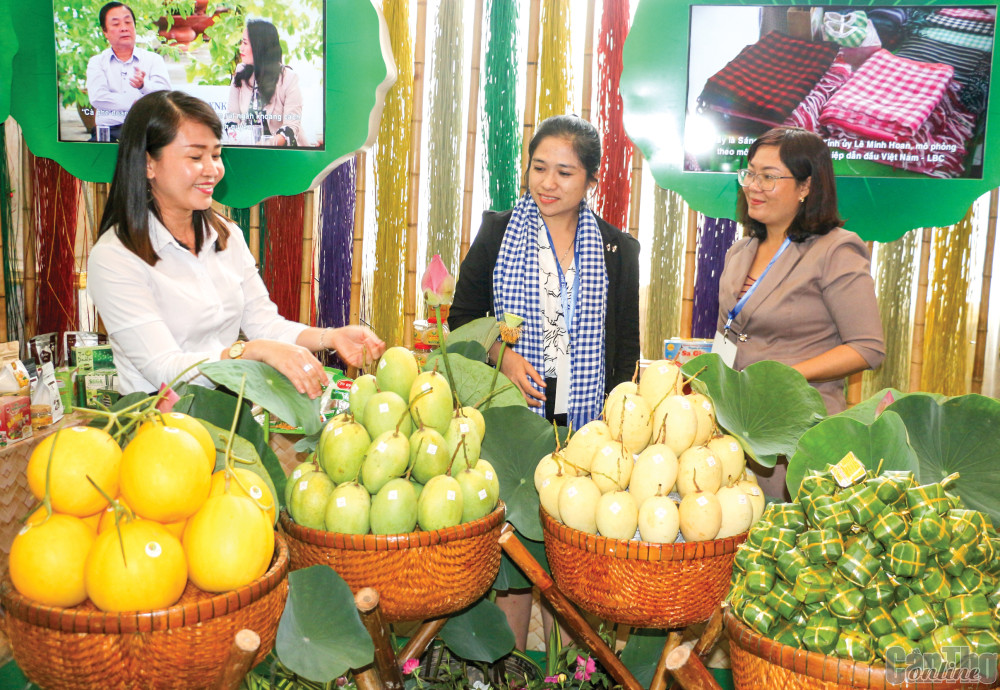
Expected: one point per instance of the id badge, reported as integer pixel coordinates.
(562, 385)
(725, 348)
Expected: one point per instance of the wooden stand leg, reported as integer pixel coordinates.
(241, 656)
(660, 675)
(385, 658)
(565, 610)
(421, 639)
(710, 636)
(688, 671)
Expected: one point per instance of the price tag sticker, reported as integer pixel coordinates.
(381, 447)
(658, 458)
(338, 431)
(571, 491)
(256, 493)
(383, 407)
(489, 475)
(432, 449)
(710, 461)
(482, 494)
(450, 495)
(427, 386)
(615, 508)
(685, 404)
(607, 451)
(630, 405)
(303, 485)
(463, 428)
(707, 405)
(742, 499)
(660, 513)
(848, 471)
(702, 501)
(734, 447)
(341, 502)
(153, 549)
(393, 495)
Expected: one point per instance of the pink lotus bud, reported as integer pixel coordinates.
(438, 285)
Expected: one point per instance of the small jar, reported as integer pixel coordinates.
(421, 351)
(427, 332)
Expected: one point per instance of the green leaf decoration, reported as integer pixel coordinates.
(642, 653)
(484, 331)
(473, 379)
(307, 444)
(218, 407)
(867, 410)
(960, 434)
(884, 440)
(516, 439)
(269, 388)
(243, 449)
(479, 633)
(767, 406)
(321, 636)
(466, 348)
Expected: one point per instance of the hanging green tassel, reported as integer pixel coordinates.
(501, 122)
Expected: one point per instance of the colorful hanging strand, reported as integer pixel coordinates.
(241, 216)
(283, 252)
(55, 208)
(556, 80)
(444, 146)
(337, 202)
(11, 273)
(500, 120)
(614, 178)
(946, 341)
(392, 164)
(894, 268)
(717, 235)
(663, 296)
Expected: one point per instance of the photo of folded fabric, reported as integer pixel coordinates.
(973, 26)
(963, 39)
(968, 13)
(967, 62)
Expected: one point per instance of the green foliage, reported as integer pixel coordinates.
(479, 633)
(248, 459)
(642, 653)
(484, 331)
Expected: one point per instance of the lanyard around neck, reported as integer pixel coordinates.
(568, 301)
(746, 295)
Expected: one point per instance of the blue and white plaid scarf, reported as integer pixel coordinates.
(517, 289)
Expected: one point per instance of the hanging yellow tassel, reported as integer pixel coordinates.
(556, 76)
(946, 333)
(663, 296)
(392, 151)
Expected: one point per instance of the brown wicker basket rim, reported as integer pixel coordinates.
(393, 542)
(86, 619)
(635, 550)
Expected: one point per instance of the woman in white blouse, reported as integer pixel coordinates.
(173, 280)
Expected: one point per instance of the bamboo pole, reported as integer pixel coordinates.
(416, 125)
(711, 634)
(241, 656)
(587, 96)
(385, 659)
(30, 270)
(636, 193)
(253, 237)
(308, 244)
(530, 88)
(979, 362)
(690, 260)
(421, 639)
(920, 315)
(357, 247)
(470, 132)
(660, 676)
(565, 609)
(688, 670)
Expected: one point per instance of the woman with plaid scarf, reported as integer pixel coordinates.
(571, 276)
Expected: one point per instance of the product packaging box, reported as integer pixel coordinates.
(100, 388)
(335, 399)
(15, 418)
(681, 350)
(89, 358)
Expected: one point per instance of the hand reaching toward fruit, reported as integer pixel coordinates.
(294, 361)
(516, 368)
(356, 345)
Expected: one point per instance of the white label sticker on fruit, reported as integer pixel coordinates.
(607, 450)
(341, 501)
(657, 459)
(545, 482)
(426, 387)
(710, 461)
(383, 408)
(615, 508)
(338, 431)
(432, 449)
(660, 513)
(303, 485)
(153, 549)
(734, 447)
(355, 388)
(381, 447)
(482, 494)
(381, 365)
(392, 495)
(685, 404)
(296, 474)
(489, 475)
(256, 493)
(707, 405)
(755, 490)
(702, 501)
(742, 499)
(463, 428)
(450, 495)
(662, 369)
(571, 491)
(630, 405)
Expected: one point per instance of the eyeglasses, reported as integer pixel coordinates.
(766, 183)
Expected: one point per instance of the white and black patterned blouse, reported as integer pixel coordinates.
(556, 335)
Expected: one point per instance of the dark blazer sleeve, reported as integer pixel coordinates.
(474, 289)
(621, 258)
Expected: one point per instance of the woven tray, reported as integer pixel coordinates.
(639, 583)
(760, 662)
(184, 646)
(418, 575)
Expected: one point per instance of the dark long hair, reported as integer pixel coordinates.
(266, 67)
(152, 123)
(581, 133)
(806, 156)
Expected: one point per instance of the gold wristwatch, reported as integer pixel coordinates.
(236, 349)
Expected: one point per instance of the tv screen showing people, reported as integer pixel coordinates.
(895, 91)
(262, 72)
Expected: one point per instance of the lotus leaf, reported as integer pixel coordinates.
(244, 450)
(642, 653)
(321, 636)
(881, 441)
(479, 633)
(472, 383)
(767, 406)
(484, 331)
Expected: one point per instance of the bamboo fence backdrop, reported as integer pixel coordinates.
(337, 206)
(717, 235)
(665, 247)
(54, 221)
(614, 181)
(391, 155)
(13, 303)
(501, 123)
(894, 268)
(444, 145)
(556, 76)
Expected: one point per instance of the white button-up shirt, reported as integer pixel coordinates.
(108, 86)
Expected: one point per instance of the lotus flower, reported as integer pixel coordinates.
(438, 285)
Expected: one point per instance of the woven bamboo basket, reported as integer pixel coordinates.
(183, 646)
(418, 575)
(639, 583)
(760, 662)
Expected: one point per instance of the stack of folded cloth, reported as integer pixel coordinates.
(905, 113)
(768, 79)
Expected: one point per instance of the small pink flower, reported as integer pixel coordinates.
(168, 400)
(438, 285)
(410, 665)
(584, 669)
(551, 679)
